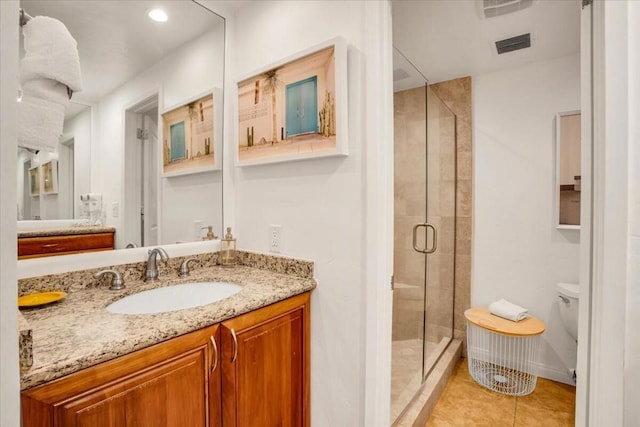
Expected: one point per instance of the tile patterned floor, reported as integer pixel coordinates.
(465, 403)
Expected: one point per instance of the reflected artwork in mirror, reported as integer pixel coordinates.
(110, 154)
(568, 176)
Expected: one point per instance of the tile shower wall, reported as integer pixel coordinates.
(456, 94)
(409, 209)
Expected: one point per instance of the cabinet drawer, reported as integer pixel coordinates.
(31, 247)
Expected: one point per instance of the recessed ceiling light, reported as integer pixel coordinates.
(158, 15)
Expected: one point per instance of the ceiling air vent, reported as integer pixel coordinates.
(492, 8)
(514, 43)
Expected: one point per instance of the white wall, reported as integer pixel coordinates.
(9, 379)
(186, 73)
(632, 338)
(518, 254)
(321, 204)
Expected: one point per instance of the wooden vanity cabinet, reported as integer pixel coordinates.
(265, 366)
(171, 384)
(249, 371)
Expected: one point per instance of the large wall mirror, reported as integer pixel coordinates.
(135, 71)
(568, 176)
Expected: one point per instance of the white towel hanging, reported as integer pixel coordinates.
(49, 70)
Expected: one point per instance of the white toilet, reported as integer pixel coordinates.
(568, 297)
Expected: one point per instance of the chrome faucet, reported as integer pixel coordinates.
(116, 281)
(184, 267)
(152, 266)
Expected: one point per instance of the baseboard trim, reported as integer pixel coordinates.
(554, 374)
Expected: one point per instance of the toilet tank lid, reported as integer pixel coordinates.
(570, 290)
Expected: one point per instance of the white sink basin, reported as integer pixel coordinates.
(173, 298)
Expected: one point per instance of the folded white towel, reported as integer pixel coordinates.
(50, 53)
(41, 114)
(507, 310)
(49, 69)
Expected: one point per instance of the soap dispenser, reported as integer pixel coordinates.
(228, 250)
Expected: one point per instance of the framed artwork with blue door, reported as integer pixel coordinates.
(192, 135)
(295, 108)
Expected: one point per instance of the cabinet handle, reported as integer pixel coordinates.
(50, 245)
(215, 354)
(235, 345)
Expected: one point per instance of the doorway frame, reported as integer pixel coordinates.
(69, 144)
(136, 102)
(604, 253)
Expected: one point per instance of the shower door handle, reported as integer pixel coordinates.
(434, 245)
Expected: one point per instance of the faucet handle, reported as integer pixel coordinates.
(116, 282)
(184, 267)
(210, 234)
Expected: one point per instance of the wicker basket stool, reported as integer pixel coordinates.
(501, 353)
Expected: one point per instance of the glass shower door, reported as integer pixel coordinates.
(408, 329)
(441, 217)
(424, 232)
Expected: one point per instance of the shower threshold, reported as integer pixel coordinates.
(419, 406)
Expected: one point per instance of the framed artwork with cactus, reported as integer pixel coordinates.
(295, 108)
(191, 135)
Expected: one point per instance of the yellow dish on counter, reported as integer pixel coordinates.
(40, 298)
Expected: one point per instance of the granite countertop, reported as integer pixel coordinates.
(78, 332)
(63, 231)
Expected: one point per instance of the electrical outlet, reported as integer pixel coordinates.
(115, 210)
(275, 242)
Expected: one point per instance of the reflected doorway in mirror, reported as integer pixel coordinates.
(140, 209)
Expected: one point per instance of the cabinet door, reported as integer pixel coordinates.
(102, 413)
(265, 378)
(173, 394)
(171, 384)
